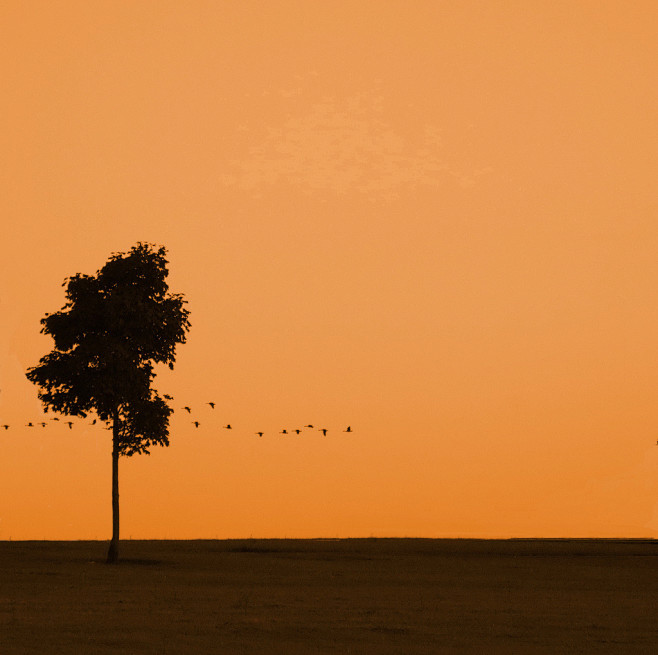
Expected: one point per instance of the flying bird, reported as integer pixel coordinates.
(187, 408)
(228, 426)
(56, 418)
(29, 425)
(196, 424)
(6, 427)
(42, 424)
(260, 434)
(323, 430)
(297, 431)
(349, 429)
(70, 424)
(308, 426)
(284, 431)
(212, 405)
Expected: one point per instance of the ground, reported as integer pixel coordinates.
(330, 596)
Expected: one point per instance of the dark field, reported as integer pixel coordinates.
(347, 596)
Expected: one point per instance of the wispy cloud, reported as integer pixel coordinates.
(347, 145)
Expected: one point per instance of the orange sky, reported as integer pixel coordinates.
(433, 221)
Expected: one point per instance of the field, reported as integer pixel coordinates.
(330, 596)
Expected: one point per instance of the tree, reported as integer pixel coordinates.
(113, 329)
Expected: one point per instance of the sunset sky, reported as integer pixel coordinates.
(435, 222)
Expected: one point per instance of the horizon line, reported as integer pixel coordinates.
(369, 538)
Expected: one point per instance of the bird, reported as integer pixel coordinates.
(187, 408)
(308, 426)
(284, 431)
(349, 429)
(260, 434)
(212, 405)
(42, 424)
(297, 431)
(70, 424)
(29, 425)
(323, 430)
(228, 426)
(56, 418)
(196, 424)
(6, 427)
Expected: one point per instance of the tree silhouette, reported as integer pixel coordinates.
(113, 329)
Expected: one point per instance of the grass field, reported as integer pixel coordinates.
(330, 596)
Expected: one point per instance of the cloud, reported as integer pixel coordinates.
(346, 145)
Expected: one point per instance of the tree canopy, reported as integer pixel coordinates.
(112, 331)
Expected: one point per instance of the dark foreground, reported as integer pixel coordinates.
(347, 596)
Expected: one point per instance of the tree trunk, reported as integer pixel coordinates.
(113, 552)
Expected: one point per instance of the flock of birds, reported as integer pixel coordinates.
(188, 409)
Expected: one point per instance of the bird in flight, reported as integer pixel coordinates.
(212, 405)
(323, 430)
(297, 431)
(6, 427)
(42, 424)
(70, 424)
(29, 425)
(196, 424)
(260, 434)
(228, 426)
(308, 426)
(284, 431)
(349, 429)
(56, 418)
(188, 409)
